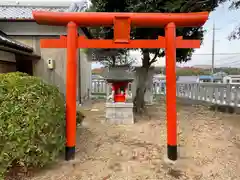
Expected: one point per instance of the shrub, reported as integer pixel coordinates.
(80, 117)
(32, 121)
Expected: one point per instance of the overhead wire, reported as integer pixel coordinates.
(217, 54)
(223, 60)
(230, 63)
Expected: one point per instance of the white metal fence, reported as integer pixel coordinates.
(222, 94)
(101, 88)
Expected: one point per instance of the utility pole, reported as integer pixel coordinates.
(213, 47)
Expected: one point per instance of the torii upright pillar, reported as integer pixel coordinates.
(170, 51)
(122, 23)
(71, 89)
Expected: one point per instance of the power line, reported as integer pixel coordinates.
(221, 28)
(227, 58)
(229, 66)
(230, 22)
(226, 61)
(231, 63)
(218, 54)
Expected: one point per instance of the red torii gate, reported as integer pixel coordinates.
(122, 23)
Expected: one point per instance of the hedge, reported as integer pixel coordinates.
(32, 121)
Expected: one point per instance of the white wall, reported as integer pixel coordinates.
(30, 33)
(7, 56)
(32, 28)
(7, 62)
(86, 74)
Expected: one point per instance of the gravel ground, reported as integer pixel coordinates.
(209, 148)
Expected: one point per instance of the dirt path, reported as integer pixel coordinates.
(209, 148)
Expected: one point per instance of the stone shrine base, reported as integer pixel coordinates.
(119, 113)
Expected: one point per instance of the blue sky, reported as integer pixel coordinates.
(225, 22)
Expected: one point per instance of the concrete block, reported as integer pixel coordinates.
(119, 113)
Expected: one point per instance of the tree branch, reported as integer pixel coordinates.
(157, 54)
(154, 59)
(235, 5)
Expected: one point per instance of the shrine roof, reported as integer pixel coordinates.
(24, 12)
(119, 74)
(14, 12)
(11, 43)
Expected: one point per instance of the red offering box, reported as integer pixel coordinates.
(119, 98)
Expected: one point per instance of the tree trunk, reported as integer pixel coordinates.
(142, 77)
(113, 61)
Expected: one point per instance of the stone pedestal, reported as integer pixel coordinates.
(119, 113)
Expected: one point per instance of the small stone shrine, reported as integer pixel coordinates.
(119, 105)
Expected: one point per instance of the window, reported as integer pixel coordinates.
(130, 87)
(236, 80)
(122, 89)
(205, 80)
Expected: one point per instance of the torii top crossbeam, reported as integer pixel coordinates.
(122, 23)
(107, 19)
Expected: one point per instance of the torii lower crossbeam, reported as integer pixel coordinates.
(122, 23)
(94, 43)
